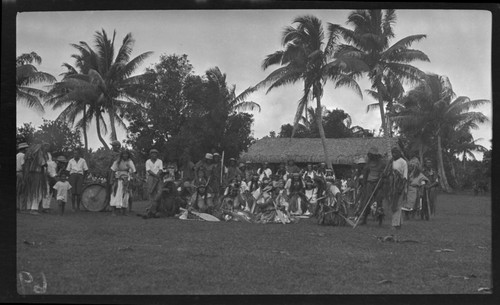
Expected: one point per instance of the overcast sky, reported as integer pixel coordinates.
(458, 44)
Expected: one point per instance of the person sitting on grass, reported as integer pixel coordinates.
(62, 187)
(202, 200)
(167, 202)
(298, 201)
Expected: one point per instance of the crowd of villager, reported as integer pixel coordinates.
(214, 190)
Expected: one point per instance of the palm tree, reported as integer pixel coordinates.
(27, 75)
(109, 76)
(388, 65)
(306, 57)
(430, 111)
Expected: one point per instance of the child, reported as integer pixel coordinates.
(62, 187)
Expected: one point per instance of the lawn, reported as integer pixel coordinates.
(94, 253)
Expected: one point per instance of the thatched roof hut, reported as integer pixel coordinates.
(303, 150)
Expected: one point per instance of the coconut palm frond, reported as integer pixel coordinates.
(372, 107)
(300, 109)
(30, 101)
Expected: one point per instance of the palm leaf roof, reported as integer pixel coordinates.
(304, 150)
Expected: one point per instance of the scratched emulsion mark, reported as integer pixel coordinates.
(27, 283)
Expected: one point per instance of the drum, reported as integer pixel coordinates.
(94, 197)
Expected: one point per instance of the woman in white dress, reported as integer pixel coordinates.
(123, 169)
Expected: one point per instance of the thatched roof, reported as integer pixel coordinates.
(302, 150)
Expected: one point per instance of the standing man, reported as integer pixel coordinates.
(433, 177)
(233, 170)
(77, 168)
(154, 167)
(399, 187)
(21, 198)
(187, 168)
(372, 173)
(205, 165)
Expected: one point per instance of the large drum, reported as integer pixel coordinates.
(94, 197)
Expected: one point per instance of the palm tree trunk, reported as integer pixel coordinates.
(98, 125)
(382, 117)
(112, 123)
(421, 153)
(319, 121)
(84, 129)
(442, 181)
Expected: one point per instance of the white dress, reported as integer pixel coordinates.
(119, 191)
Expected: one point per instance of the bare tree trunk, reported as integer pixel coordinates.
(319, 121)
(443, 181)
(98, 125)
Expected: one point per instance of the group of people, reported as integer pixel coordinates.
(400, 183)
(209, 186)
(40, 178)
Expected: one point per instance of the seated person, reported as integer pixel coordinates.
(202, 200)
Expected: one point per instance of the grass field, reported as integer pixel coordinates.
(94, 253)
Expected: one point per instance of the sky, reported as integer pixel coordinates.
(458, 44)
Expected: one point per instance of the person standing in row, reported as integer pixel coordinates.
(154, 166)
(77, 168)
(21, 198)
(187, 168)
(372, 173)
(51, 176)
(433, 176)
(35, 177)
(123, 169)
(62, 187)
(399, 187)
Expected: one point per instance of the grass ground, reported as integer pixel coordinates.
(94, 253)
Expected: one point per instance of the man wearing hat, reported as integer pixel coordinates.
(372, 173)
(154, 168)
(233, 170)
(21, 199)
(206, 166)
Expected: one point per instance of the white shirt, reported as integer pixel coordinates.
(154, 167)
(75, 167)
(62, 190)
(265, 173)
(401, 166)
(19, 161)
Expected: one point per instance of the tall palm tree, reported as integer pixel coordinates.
(28, 75)
(388, 65)
(306, 57)
(109, 76)
(431, 109)
(79, 96)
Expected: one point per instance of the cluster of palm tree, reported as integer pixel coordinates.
(314, 59)
(311, 57)
(99, 83)
(431, 114)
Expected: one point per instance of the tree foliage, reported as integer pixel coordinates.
(188, 113)
(61, 138)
